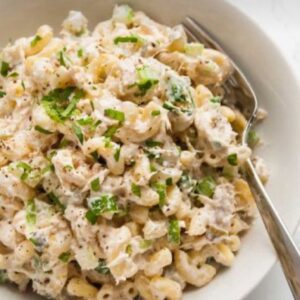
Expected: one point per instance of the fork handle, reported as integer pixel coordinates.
(287, 251)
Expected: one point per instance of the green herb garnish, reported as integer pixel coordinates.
(146, 79)
(152, 143)
(86, 121)
(58, 104)
(155, 113)
(126, 39)
(136, 190)
(80, 53)
(4, 68)
(61, 58)
(42, 130)
(35, 40)
(26, 169)
(117, 153)
(169, 181)
(55, 200)
(114, 114)
(95, 185)
(78, 132)
(13, 74)
(65, 256)
(102, 267)
(174, 231)
(232, 159)
(110, 132)
(206, 187)
(106, 203)
(31, 212)
(216, 100)
(2, 94)
(161, 190)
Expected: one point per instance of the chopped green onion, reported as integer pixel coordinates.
(152, 168)
(34, 241)
(95, 185)
(193, 49)
(65, 256)
(72, 105)
(95, 125)
(86, 121)
(78, 132)
(185, 181)
(117, 153)
(23, 85)
(106, 203)
(169, 181)
(110, 132)
(206, 187)
(63, 143)
(174, 231)
(126, 39)
(155, 113)
(55, 200)
(26, 170)
(4, 68)
(2, 94)
(91, 217)
(115, 114)
(42, 130)
(58, 105)
(49, 168)
(232, 159)
(136, 190)
(80, 52)
(169, 106)
(216, 100)
(107, 142)
(253, 138)
(151, 143)
(177, 92)
(146, 78)
(61, 58)
(31, 212)
(35, 40)
(102, 267)
(13, 74)
(161, 190)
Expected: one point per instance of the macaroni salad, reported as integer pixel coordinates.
(119, 163)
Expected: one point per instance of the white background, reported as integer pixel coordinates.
(280, 19)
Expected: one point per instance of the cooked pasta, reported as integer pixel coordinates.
(120, 165)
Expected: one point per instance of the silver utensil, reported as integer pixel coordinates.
(241, 93)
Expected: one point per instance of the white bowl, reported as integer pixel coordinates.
(272, 80)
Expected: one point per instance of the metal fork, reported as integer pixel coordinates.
(239, 90)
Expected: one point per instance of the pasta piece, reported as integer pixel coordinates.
(43, 36)
(190, 273)
(80, 288)
(157, 262)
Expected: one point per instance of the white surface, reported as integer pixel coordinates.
(272, 81)
(280, 20)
